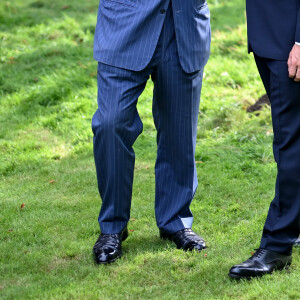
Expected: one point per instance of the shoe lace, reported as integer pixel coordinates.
(107, 241)
(190, 237)
(259, 252)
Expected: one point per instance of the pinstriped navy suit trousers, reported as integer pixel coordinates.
(116, 125)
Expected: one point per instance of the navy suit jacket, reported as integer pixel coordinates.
(273, 27)
(127, 32)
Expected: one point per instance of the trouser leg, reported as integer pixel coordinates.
(116, 125)
(283, 221)
(175, 111)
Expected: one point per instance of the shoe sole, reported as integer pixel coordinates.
(239, 277)
(124, 237)
(106, 262)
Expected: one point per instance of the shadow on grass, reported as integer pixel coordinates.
(14, 15)
(52, 77)
(26, 69)
(140, 244)
(227, 15)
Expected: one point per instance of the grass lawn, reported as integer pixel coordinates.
(49, 201)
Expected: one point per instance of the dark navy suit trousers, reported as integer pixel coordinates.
(116, 125)
(282, 226)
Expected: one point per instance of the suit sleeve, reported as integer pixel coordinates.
(297, 36)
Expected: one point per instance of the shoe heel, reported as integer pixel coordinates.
(125, 234)
(287, 266)
(165, 236)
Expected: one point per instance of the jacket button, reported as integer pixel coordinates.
(162, 11)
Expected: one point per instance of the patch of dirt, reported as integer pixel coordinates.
(259, 104)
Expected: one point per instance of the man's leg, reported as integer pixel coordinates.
(175, 111)
(282, 225)
(283, 221)
(116, 125)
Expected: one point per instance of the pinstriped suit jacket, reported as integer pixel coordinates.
(127, 32)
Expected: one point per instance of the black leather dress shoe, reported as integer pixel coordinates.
(185, 239)
(262, 262)
(297, 242)
(108, 247)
